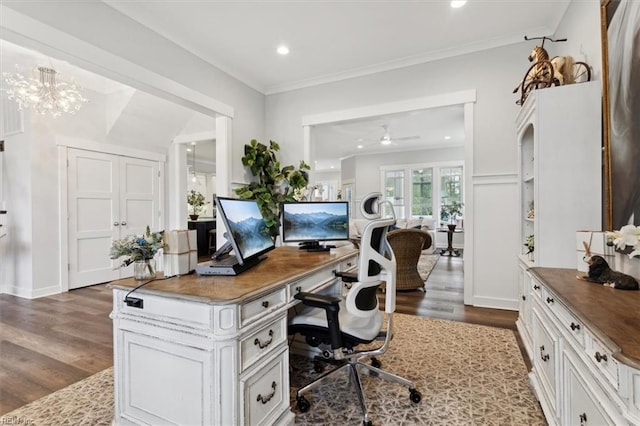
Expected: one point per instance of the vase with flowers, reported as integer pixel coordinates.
(139, 250)
(196, 201)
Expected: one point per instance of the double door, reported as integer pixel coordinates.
(110, 197)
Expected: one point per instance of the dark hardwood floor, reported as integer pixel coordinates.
(52, 342)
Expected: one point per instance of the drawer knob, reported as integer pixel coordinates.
(536, 287)
(265, 304)
(575, 326)
(583, 418)
(298, 289)
(267, 398)
(544, 357)
(262, 345)
(550, 300)
(599, 357)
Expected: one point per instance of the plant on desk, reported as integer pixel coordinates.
(275, 185)
(196, 202)
(140, 251)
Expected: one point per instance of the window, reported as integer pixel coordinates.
(422, 192)
(394, 191)
(429, 187)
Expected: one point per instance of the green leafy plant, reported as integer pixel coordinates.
(274, 185)
(196, 201)
(529, 243)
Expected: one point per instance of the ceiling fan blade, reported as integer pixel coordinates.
(406, 138)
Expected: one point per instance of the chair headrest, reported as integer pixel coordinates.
(370, 207)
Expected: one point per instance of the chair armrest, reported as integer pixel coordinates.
(347, 277)
(331, 305)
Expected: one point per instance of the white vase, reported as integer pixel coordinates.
(626, 265)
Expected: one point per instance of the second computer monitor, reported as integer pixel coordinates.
(312, 224)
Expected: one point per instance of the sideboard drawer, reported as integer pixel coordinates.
(566, 321)
(260, 343)
(255, 309)
(602, 358)
(582, 407)
(545, 356)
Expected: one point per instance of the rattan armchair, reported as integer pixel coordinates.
(407, 245)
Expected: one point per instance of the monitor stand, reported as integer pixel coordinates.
(228, 265)
(315, 246)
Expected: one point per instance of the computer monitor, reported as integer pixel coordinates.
(247, 235)
(312, 224)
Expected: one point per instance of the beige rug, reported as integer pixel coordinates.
(426, 263)
(467, 374)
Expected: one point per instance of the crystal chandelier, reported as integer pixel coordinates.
(44, 96)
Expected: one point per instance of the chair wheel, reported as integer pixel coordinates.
(375, 363)
(318, 367)
(303, 404)
(415, 396)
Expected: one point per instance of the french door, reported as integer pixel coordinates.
(109, 197)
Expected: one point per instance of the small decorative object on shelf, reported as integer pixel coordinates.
(627, 244)
(139, 250)
(530, 245)
(196, 202)
(531, 214)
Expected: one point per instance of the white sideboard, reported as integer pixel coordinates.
(213, 350)
(584, 346)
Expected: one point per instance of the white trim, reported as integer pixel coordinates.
(494, 302)
(109, 148)
(446, 99)
(63, 208)
(25, 31)
(195, 137)
(469, 224)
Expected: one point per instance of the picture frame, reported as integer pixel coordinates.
(620, 29)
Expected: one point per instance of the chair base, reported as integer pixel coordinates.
(352, 366)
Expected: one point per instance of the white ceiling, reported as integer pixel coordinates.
(333, 40)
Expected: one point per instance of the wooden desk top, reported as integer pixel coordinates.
(282, 266)
(612, 315)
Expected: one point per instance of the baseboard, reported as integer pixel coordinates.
(32, 294)
(495, 303)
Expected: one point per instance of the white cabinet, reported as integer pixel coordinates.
(560, 161)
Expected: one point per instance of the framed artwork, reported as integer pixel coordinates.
(621, 101)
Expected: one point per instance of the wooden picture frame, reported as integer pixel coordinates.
(620, 28)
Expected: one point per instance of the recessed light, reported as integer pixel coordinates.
(446, 138)
(283, 50)
(457, 3)
(360, 146)
(188, 149)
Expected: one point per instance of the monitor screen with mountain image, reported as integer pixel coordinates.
(247, 236)
(312, 224)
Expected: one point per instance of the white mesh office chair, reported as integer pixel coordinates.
(345, 323)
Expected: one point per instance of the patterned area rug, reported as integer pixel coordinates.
(426, 263)
(467, 374)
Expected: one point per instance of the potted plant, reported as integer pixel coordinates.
(530, 245)
(196, 202)
(452, 212)
(274, 184)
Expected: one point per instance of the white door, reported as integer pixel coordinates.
(110, 197)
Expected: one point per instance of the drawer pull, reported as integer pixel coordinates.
(583, 418)
(600, 357)
(261, 345)
(550, 300)
(544, 357)
(524, 297)
(265, 304)
(265, 399)
(536, 287)
(574, 326)
(298, 289)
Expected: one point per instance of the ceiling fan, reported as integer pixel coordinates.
(387, 139)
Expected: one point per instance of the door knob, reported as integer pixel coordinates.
(115, 224)
(123, 223)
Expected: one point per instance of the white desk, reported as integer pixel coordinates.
(213, 350)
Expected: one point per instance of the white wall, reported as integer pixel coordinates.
(493, 74)
(70, 31)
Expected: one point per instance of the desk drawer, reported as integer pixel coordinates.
(266, 391)
(311, 282)
(566, 320)
(165, 309)
(260, 343)
(254, 310)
